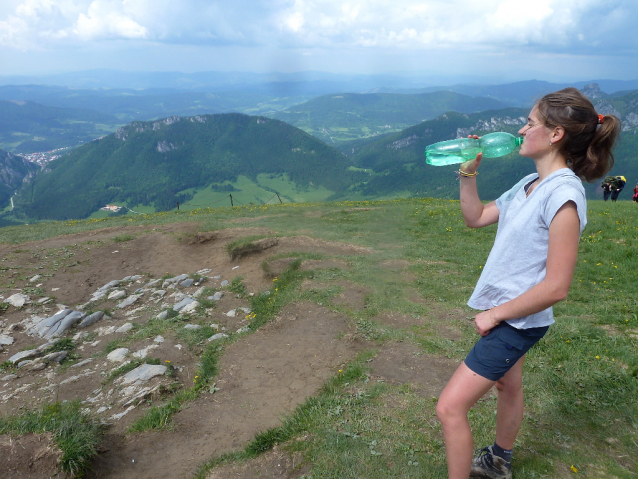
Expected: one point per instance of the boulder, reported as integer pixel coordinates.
(144, 373)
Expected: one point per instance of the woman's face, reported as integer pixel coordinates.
(536, 136)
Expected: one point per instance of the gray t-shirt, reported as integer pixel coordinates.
(518, 258)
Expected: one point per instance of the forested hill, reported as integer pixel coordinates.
(150, 163)
(13, 170)
(345, 116)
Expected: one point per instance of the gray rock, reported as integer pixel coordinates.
(117, 294)
(129, 301)
(187, 282)
(44, 326)
(35, 278)
(204, 271)
(136, 277)
(65, 324)
(144, 373)
(190, 308)
(217, 296)
(217, 336)
(91, 319)
(183, 303)
(158, 339)
(125, 328)
(45, 300)
(5, 340)
(174, 280)
(109, 285)
(225, 283)
(97, 296)
(56, 357)
(30, 353)
(17, 300)
(118, 355)
(199, 292)
(47, 345)
(152, 282)
(162, 315)
(245, 329)
(30, 364)
(193, 327)
(9, 377)
(82, 363)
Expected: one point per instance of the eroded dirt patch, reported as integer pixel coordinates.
(32, 456)
(262, 377)
(274, 464)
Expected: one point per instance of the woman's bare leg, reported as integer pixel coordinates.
(460, 394)
(509, 412)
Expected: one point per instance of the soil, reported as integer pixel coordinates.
(262, 376)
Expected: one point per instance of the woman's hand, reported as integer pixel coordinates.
(471, 166)
(484, 322)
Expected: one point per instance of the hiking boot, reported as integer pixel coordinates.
(487, 465)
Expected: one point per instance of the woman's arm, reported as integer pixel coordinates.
(475, 213)
(564, 233)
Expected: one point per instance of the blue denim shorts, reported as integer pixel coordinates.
(493, 355)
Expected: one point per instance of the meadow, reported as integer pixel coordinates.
(581, 381)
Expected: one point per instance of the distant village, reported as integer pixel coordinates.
(41, 158)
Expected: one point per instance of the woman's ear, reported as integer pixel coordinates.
(558, 134)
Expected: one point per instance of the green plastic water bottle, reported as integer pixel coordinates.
(492, 145)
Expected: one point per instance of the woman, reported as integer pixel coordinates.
(635, 197)
(529, 269)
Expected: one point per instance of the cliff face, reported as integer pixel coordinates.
(14, 170)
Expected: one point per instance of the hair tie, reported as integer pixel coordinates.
(601, 119)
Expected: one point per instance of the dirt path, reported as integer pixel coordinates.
(262, 376)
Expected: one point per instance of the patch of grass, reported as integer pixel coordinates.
(75, 433)
(160, 417)
(246, 246)
(123, 238)
(64, 344)
(237, 286)
(34, 291)
(8, 367)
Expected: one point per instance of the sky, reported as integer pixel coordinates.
(554, 40)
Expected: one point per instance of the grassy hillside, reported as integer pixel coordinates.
(397, 162)
(346, 116)
(416, 267)
(27, 127)
(154, 163)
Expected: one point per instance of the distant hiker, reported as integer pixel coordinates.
(635, 197)
(606, 190)
(529, 269)
(620, 184)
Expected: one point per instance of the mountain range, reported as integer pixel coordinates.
(187, 160)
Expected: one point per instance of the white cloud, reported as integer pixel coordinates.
(104, 20)
(559, 26)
